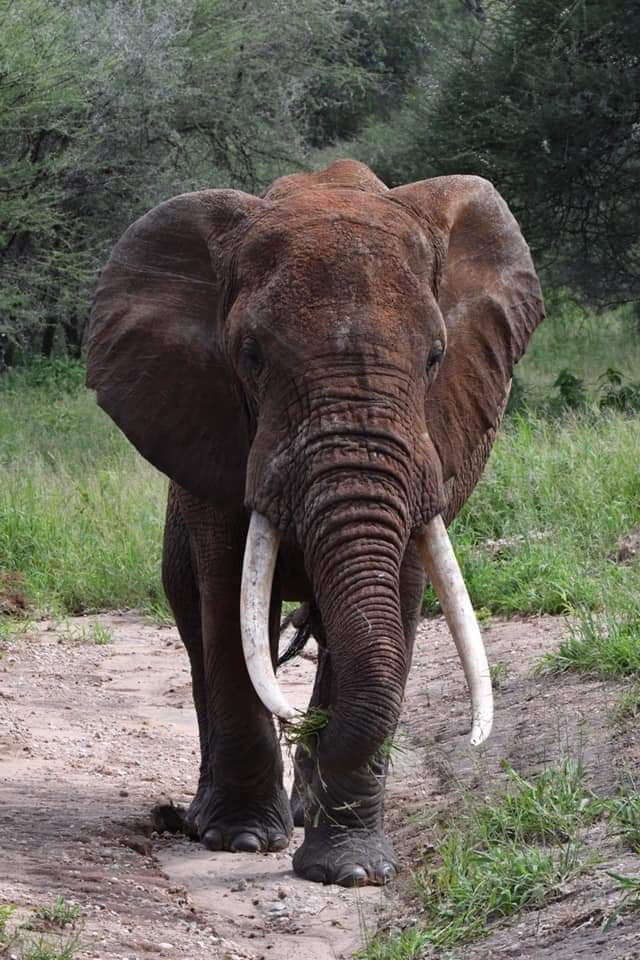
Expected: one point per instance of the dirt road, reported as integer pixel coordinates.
(93, 734)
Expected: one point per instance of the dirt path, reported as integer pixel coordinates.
(92, 735)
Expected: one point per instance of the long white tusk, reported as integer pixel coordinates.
(260, 555)
(445, 575)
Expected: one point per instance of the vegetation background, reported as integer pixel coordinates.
(109, 106)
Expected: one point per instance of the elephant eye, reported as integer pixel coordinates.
(252, 355)
(435, 354)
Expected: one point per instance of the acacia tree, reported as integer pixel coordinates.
(42, 108)
(542, 98)
(109, 106)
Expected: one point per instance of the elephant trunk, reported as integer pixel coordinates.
(353, 552)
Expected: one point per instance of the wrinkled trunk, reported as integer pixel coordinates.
(353, 553)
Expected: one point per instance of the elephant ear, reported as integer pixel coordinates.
(154, 349)
(491, 302)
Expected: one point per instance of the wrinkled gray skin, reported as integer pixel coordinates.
(337, 357)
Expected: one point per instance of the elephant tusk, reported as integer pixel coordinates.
(445, 575)
(260, 555)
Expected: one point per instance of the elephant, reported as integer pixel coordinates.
(320, 372)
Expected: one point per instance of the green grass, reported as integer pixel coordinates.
(605, 646)
(510, 853)
(305, 731)
(44, 949)
(20, 943)
(628, 706)
(60, 913)
(498, 858)
(629, 887)
(561, 494)
(586, 343)
(624, 813)
(499, 673)
(81, 513)
(6, 912)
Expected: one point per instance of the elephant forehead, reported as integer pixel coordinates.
(329, 225)
(342, 262)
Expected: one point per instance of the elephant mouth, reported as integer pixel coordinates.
(441, 566)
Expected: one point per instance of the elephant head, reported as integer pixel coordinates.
(338, 356)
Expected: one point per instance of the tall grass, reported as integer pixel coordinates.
(81, 513)
(583, 341)
(559, 495)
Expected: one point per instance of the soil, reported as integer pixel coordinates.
(93, 735)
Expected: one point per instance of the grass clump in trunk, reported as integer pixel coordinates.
(305, 731)
(498, 858)
(606, 646)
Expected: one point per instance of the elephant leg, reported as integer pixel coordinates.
(181, 588)
(344, 839)
(245, 806)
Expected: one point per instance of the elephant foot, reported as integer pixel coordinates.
(351, 858)
(193, 810)
(244, 825)
(174, 818)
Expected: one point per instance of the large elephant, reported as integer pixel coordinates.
(321, 373)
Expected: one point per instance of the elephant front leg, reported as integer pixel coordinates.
(246, 807)
(343, 813)
(344, 839)
(345, 842)
(241, 801)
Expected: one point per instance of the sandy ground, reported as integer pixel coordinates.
(93, 735)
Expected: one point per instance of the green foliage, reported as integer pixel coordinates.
(558, 495)
(21, 946)
(630, 900)
(44, 266)
(60, 914)
(498, 858)
(57, 377)
(44, 949)
(605, 646)
(109, 108)
(540, 98)
(618, 394)
(81, 514)
(306, 731)
(6, 912)
(625, 817)
(571, 392)
(628, 707)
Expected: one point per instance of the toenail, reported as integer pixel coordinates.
(245, 843)
(352, 876)
(212, 839)
(387, 873)
(279, 842)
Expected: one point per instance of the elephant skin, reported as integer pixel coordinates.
(335, 356)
